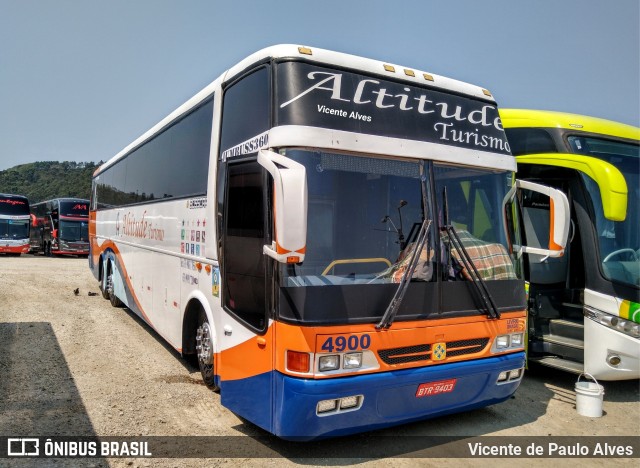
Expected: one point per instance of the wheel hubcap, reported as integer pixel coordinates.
(204, 344)
(110, 284)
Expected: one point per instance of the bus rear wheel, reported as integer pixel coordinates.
(102, 284)
(113, 299)
(103, 289)
(204, 351)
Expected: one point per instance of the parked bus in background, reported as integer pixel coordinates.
(334, 238)
(60, 227)
(584, 309)
(14, 224)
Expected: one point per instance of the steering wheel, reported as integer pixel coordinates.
(615, 253)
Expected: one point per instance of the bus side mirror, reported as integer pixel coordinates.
(546, 218)
(34, 221)
(54, 233)
(289, 207)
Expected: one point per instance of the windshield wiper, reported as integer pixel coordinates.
(394, 305)
(476, 279)
(479, 284)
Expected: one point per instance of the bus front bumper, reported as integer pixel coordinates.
(602, 344)
(388, 399)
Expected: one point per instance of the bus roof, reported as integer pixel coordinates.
(13, 196)
(63, 199)
(521, 118)
(320, 56)
(354, 62)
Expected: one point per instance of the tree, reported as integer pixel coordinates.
(44, 180)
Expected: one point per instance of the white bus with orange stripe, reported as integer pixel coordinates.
(331, 236)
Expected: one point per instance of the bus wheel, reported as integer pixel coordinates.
(204, 350)
(115, 302)
(103, 288)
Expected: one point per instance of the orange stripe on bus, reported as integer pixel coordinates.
(248, 358)
(401, 334)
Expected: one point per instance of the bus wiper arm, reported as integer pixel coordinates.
(476, 279)
(394, 305)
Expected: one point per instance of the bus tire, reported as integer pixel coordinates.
(103, 289)
(204, 351)
(102, 283)
(113, 299)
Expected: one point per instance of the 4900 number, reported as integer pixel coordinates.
(343, 343)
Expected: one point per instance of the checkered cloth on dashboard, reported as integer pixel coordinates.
(490, 259)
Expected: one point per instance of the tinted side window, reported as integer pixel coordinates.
(246, 109)
(244, 276)
(245, 114)
(173, 164)
(530, 141)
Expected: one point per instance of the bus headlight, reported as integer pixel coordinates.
(509, 376)
(516, 340)
(349, 402)
(326, 406)
(510, 342)
(502, 341)
(352, 361)
(515, 374)
(329, 363)
(611, 321)
(339, 405)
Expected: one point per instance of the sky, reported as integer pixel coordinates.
(81, 79)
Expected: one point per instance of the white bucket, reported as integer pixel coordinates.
(589, 396)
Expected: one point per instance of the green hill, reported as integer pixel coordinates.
(44, 180)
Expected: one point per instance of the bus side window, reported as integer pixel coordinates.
(244, 277)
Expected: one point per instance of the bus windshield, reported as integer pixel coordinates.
(475, 200)
(14, 228)
(363, 213)
(618, 241)
(74, 231)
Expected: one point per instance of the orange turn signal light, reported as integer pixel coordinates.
(297, 361)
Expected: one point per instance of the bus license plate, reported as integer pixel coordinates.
(434, 388)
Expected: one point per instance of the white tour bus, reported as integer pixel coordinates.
(334, 238)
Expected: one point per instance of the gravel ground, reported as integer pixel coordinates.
(73, 365)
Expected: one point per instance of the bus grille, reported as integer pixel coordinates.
(462, 347)
(422, 352)
(405, 354)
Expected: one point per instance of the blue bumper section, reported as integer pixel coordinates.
(389, 398)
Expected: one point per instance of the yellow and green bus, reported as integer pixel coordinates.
(584, 311)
